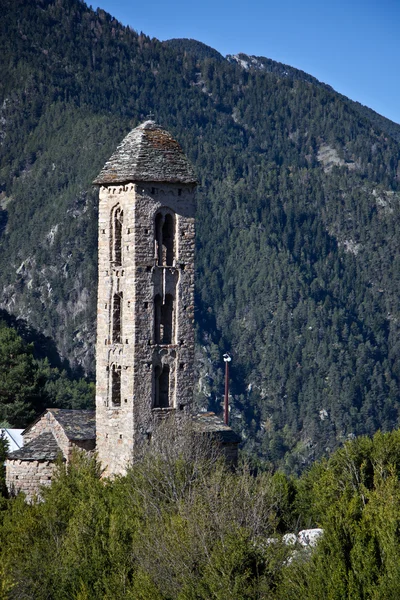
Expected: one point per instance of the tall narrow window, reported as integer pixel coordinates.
(158, 237)
(117, 319)
(163, 319)
(116, 385)
(158, 333)
(165, 239)
(168, 240)
(161, 387)
(117, 227)
(166, 319)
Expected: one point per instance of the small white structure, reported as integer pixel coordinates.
(13, 437)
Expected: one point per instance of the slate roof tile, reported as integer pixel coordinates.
(147, 153)
(77, 424)
(43, 447)
(209, 423)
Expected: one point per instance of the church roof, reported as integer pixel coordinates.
(210, 424)
(147, 153)
(76, 424)
(43, 447)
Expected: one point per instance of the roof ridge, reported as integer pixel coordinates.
(147, 153)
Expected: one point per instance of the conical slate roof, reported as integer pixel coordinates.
(147, 153)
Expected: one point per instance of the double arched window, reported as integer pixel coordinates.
(163, 319)
(164, 330)
(165, 239)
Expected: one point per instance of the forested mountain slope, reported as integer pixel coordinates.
(298, 259)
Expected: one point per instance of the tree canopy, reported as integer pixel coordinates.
(181, 525)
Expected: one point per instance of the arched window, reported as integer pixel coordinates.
(116, 385)
(117, 222)
(163, 319)
(165, 239)
(117, 319)
(161, 387)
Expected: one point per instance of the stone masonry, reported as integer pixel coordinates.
(145, 311)
(54, 435)
(29, 470)
(70, 428)
(29, 476)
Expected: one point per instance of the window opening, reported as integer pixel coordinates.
(161, 387)
(164, 238)
(163, 319)
(158, 236)
(118, 223)
(117, 318)
(166, 319)
(116, 386)
(157, 319)
(168, 240)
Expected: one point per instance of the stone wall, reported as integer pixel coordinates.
(47, 423)
(114, 425)
(230, 452)
(140, 278)
(28, 476)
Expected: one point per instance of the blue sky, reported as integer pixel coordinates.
(353, 45)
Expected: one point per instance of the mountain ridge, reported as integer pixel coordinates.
(298, 209)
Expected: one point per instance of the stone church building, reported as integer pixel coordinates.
(145, 317)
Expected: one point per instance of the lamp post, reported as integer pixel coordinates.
(227, 360)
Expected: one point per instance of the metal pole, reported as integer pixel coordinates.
(227, 360)
(226, 402)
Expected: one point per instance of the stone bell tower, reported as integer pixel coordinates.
(145, 333)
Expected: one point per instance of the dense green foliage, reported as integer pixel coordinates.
(355, 496)
(29, 385)
(180, 525)
(298, 258)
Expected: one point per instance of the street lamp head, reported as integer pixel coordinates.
(227, 357)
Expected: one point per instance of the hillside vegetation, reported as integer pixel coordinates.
(298, 207)
(31, 382)
(181, 526)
